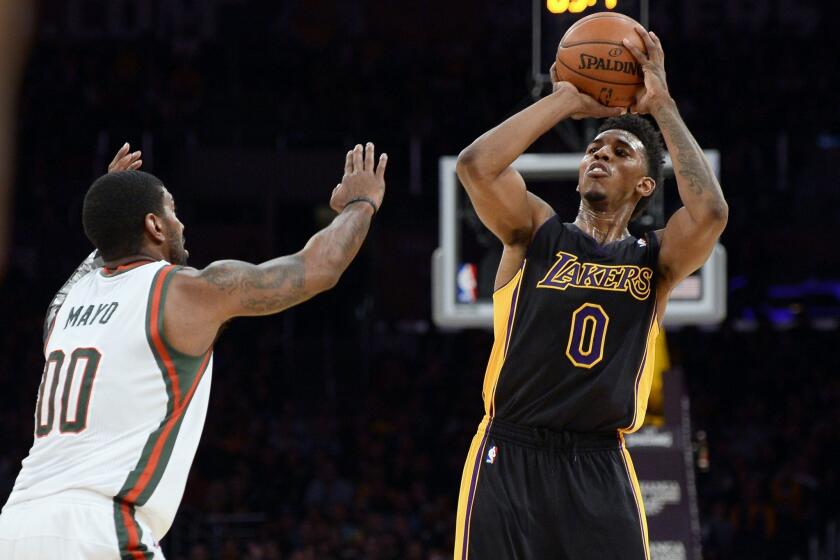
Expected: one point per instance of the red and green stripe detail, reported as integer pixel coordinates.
(182, 375)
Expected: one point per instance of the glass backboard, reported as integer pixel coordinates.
(464, 267)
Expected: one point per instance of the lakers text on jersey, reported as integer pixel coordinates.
(575, 331)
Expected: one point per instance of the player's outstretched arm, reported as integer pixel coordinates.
(498, 191)
(690, 234)
(200, 301)
(243, 288)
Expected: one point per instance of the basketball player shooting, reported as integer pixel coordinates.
(128, 352)
(577, 308)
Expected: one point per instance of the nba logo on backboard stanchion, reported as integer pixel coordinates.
(467, 283)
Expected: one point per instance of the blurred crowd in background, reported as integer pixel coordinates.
(338, 429)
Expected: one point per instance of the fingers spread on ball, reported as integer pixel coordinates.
(591, 55)
(660, 53)
(638, 54)
(646, 39)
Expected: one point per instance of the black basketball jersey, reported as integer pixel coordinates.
(574, 333)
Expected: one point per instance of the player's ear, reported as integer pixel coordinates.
(646, 186)
(154, 227)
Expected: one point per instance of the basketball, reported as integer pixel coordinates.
(593, 58)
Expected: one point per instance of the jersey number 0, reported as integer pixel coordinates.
(587, 335)
(76, 383)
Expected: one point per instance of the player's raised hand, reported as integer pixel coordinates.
(654, 92)
(362, 180)
(585, 106)
(125, 161)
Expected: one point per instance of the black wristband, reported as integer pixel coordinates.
(363, 199)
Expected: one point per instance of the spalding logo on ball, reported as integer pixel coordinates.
(593, 58)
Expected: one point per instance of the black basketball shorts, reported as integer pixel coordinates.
(534, 494)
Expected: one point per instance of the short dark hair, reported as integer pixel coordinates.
(651, 139)
(115, 208)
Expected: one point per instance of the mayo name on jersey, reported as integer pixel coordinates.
(119, 411)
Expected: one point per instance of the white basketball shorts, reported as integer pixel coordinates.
(68, 526)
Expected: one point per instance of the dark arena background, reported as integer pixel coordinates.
(338, 429)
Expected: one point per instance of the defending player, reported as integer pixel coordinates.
(124, 392)
(577, 308)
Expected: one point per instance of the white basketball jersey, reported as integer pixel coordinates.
(119, 411)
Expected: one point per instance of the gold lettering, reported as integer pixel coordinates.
(639, 287)
(628, 273)
(611, 281)
(591, 275)
(567, 272)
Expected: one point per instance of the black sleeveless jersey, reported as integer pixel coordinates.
(574, 334)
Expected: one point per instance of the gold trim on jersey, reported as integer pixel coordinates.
(567, 272)
(637, 495)
(644, 378)
(505, 301)
(469, 483)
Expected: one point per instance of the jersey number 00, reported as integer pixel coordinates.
(81, 390)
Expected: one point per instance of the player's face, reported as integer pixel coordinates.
(612, 167)
(175, 232)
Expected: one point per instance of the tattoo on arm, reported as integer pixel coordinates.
(692, 165)
(268, 304)
(255, 285)
(231, 277)
(349, 242)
